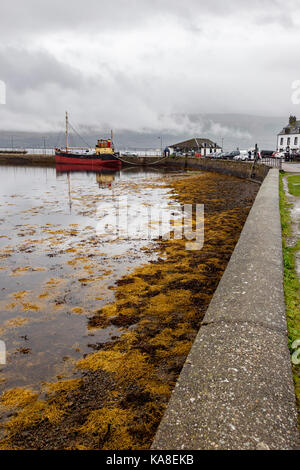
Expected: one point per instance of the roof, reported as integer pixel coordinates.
(293, 129)
(195, 143)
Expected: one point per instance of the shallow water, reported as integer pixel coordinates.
(56, 271)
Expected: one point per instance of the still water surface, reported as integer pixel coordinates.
(55, 271)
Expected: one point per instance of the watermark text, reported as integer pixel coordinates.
(296, 92)
(120, 220)
(296, 354)
(2, 92)
(2, 353)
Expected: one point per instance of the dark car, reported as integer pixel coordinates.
(226, 155)
(266, 153)
(235, 153)
(231, 155)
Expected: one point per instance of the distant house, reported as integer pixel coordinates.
(197, 146)
(289, 137)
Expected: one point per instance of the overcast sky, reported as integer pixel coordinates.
(134, 64)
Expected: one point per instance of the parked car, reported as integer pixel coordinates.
(217, 155)
(279, 155)
(243, 155)
(231, 155)
(296, 156)
(226, 155)
(291, 156)
(127, 153)
(266, 153)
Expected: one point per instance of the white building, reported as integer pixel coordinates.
(197, 146)
(289, 137)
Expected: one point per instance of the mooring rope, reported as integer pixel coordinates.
(119, 158)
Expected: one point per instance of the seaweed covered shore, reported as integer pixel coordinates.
(122, 388)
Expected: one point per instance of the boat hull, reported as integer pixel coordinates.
(93, 161)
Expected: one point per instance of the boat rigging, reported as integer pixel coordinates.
(103, 155)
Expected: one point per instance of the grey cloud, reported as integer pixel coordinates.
(281, 18)
(166, 75)
(33, 17)
(22, 69)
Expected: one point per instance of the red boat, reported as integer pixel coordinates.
(103, 155)
(92, 161)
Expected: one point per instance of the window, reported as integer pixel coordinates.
(281, 141)
(289, 141)
(296, 141)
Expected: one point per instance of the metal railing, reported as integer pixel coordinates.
(28, 150)
(141, 152)
(271, 162)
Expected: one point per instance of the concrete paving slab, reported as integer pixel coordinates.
(291, 167)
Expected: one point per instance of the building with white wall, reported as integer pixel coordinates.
(289, 138)
(197, 146)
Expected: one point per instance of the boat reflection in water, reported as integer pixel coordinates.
(88, 168)
(104, 176)
(105, 180)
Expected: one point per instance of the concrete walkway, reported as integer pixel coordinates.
(291, 167)
(236, 389)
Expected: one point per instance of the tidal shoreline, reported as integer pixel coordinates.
(126, 383)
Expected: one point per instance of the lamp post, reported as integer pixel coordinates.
(44, 139)
(160, 144)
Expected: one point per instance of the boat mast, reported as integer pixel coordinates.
(69, 191)
(67, 131)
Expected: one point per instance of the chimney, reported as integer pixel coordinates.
(292, 121)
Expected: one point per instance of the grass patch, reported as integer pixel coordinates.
(284, 210)
(291, 284)
(294, 185)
